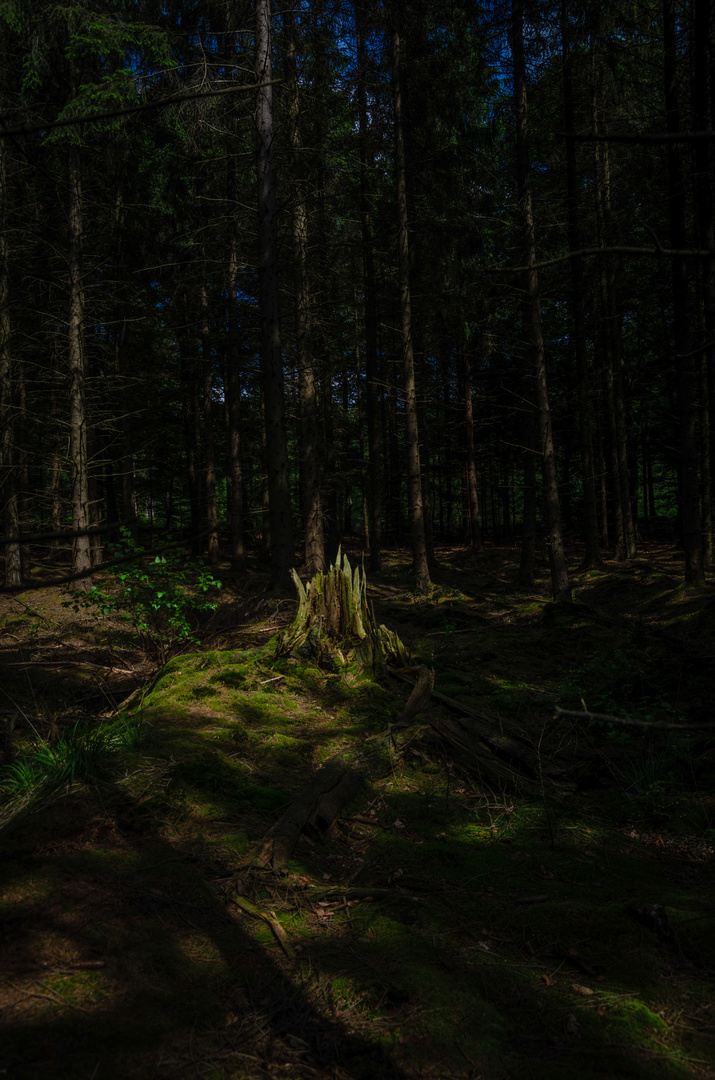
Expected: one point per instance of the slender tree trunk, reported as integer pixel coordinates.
(265, 495)
(609, 341)
(689, 490)
(422, 377)
(331, 458)
(394, 467)
(414, 476)
(527, 559)
(310, 471)
(281, 525)
(233, 392)
(122, 360)
(79, 465)
(56, 470)
(592, 555)
(192, 424)
(629, 529)
(607, 338)
(702, 37)
(475, 527)
(602, 486)
(364, 468)
(559, 573)
(374, 434)
(619, 532)
(209, 449)
(8, 486)
(94, 500)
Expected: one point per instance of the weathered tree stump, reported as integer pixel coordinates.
(335, 624)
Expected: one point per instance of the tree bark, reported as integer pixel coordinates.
(559, 573)
(689, 488)
(592, 554)
(281, 525)
(79, 465)
(233, 390)
(374, 435)
(8, 482)
(475, 527)
(209, 448)
(609, 338)
(56, 467)
(310, 471)
(527, 559)
(702, 37)
(414, 476)
(192, 425)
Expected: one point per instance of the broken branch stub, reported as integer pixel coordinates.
(336, 623)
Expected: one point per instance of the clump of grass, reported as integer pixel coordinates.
(79, 754)
(76, 756)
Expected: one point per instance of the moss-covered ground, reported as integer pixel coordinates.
(561, 936)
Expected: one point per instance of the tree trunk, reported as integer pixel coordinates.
(592, 555)
(281, 525)
(629, 529)
(209, 449)
(602, 486)
(689, 491)
(56, 510)
(314, 543)
(79, 465)
(414, 476)
(559, 573)
(527, 559)
(233, 390)
(475, 528)
(702, 36)
(192, 425)
(122, 360)
(610, 344)
(374, 435)
(8, 485)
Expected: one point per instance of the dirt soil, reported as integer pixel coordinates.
(447, 927)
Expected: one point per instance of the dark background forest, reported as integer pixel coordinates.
(446, 275)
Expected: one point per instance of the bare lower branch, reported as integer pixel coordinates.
(656, 252)
(646, 137)
(40, 537)
(606, 718)
(127, 110)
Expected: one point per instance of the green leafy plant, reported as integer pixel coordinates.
(156, 596)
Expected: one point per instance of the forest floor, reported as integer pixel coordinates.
(489, 934)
